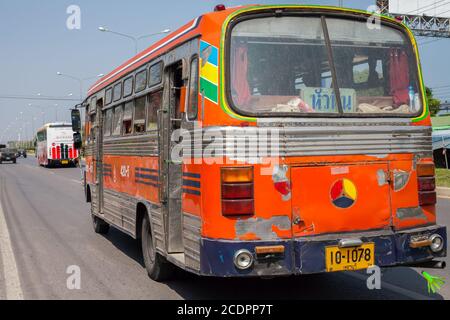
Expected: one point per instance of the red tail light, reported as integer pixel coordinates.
(237, 191)
(238, 207)
(427, 198)
(427, 184)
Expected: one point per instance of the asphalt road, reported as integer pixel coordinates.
(45, 228)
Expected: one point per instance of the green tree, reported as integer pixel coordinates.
(433, 103)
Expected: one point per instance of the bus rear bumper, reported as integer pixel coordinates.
(307, 255)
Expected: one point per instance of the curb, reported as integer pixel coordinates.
(443, 192)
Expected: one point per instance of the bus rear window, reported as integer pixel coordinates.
(282, 65)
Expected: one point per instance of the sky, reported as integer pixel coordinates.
(35, 44)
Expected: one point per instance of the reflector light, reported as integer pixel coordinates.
(283, 187)
(237, 175)
(238, 207)
(220, 7)
(426, 170)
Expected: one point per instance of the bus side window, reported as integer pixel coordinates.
(139, 115)
(107, 122)
(92, 120)
(117, 122)
(193, 91)
(127, 122)
(154, 104)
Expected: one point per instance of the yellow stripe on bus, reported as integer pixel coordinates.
(210, 73)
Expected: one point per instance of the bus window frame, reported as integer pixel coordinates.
(105, 118)
(159, 91)
(188, 118)
(123, 134)
(138, 72)
(113, 129)
(319, 13)
(132, 86)
(161, 69)
(146, 102)
(110, 89)
(116, 85)
(92, 105)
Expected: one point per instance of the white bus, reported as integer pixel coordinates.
(55, 145)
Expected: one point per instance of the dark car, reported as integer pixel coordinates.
(22, 153)
(8, 155)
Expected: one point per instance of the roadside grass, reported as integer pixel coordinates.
(443, 178)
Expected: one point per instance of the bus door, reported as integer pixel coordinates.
(170, 120)
(98, 156)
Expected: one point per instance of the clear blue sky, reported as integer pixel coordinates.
(35, 44)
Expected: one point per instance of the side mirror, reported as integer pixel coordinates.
(76, 120)
(77, 141)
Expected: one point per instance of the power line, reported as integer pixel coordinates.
(440, 87)
(43, 98)
(429, 5)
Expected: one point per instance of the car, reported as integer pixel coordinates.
(8, 155)
(22, 153)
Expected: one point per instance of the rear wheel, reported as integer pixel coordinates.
(100, 226)
(158, 268)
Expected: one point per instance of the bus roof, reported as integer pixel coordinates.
(190, 30)
(173, 39)
(56, 125)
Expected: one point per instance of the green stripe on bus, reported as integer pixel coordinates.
(210, 90)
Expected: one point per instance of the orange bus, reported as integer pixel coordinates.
(268, 141)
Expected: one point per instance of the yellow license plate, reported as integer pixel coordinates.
(350, 259)
(64, 162)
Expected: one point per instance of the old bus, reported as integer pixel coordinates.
(268, 141)
(54, 145)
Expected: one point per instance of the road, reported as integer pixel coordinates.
(45, 228)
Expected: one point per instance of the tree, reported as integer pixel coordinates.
(433, 103)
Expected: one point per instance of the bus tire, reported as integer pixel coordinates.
(158, 268)
(100, 226)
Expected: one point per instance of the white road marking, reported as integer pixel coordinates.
(447, 198)
(392, 287)
(10, 271)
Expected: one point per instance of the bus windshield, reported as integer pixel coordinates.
(282, 65)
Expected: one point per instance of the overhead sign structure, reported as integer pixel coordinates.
(427, 18)
(430, 8)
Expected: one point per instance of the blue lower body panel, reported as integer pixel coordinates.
(307, 255)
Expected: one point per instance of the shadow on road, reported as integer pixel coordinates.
(400, 283)
(407, 283)
(126, 245)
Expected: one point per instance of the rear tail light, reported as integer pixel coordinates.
(427, 184)
(234, 191)
(426, 170)
(241, 207)
(237, 175)
(237, 191)
(427, 198)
